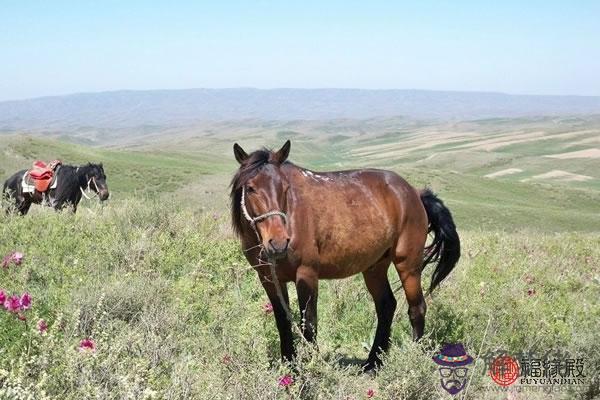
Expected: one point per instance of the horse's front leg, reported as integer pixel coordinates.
(307, 286)
(280, 311)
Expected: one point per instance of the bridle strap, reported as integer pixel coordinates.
(254, 220)
(87, 189)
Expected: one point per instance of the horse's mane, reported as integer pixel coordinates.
(247, 171)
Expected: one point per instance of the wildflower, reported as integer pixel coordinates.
(14, 257)
(17, 257)
(226, 359)
(42, 326)
(25, 301)
(285, 380)
(87, 345)
(268, 308)
(2, 296)
(370, 393)
(530, 292)
(12, 304)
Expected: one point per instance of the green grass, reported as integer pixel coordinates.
(166, 295)
(129, 172)
(156, 278)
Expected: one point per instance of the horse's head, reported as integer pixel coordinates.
(96, 179)
(259, 197)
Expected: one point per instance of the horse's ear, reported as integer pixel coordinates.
(240, 154)
(283, 153)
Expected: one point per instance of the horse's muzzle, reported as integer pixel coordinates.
(103, 195)
(277, 248)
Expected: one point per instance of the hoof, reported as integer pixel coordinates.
(371, 365)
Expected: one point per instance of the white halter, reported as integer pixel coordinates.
(89, 189)
(254, 220)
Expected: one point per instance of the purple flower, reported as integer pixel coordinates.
(12, 304)
(42, 326)
(285, 380)
(2, 296)
(6, 260)
(15, 257)
(25, 301)
(268, 308)
(87, 345)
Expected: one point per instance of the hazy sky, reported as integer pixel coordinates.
(537, 47)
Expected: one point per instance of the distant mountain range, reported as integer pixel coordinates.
(122, 109)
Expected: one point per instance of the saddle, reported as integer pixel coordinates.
(42, 175)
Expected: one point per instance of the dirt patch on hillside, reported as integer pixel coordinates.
(503, 172)
(561, 176)
(587, 153)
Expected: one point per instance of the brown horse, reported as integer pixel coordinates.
(330, 225)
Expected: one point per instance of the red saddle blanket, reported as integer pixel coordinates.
(42, 174)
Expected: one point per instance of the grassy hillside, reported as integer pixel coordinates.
(146, 174)
(175, 312)
(156, 280)
(196, 170)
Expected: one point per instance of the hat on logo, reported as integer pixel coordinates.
(453, 355)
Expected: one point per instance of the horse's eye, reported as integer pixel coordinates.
(249, 189)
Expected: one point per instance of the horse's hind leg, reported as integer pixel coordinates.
(409, 265)
(385, 305)
(409, 271)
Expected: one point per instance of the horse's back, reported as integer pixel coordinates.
(13, 182)
(355, 216)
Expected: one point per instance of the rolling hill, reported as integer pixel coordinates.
(122, 109)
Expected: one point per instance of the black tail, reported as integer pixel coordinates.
(445, 248)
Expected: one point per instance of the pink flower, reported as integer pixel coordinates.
(268, 308)
(370, 393)
(2, 296)
(285, 380)
(87, 345)
(42, 326)
(226, 359)
(12, 304)
(25, 301)
(17, 257)
(6, 260)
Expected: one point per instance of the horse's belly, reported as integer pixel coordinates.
(342, 263)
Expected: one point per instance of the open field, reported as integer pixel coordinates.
(156, 278)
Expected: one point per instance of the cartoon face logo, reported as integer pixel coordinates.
(453, 360)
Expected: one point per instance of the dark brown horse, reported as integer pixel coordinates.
(300, 226)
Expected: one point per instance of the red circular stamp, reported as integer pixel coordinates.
(504, 370)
